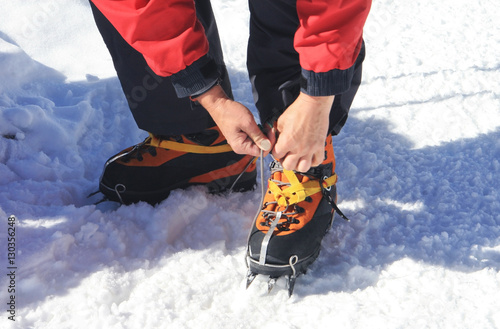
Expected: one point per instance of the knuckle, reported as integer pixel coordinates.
(238, 150)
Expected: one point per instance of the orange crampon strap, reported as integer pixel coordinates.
(189, 148)
(298, 191)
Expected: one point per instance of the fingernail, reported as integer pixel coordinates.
(265, 145)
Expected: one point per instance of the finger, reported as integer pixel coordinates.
(261, 141)
(280, 149)
(251, 149)
(290, 162)
(258, 137)
(264, 144)
(303, 165)
(246, 146)
(317, 160)
(271, 135)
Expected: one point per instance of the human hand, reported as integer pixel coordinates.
(236, 122)
(302, 131)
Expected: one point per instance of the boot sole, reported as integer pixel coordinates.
(247, 182)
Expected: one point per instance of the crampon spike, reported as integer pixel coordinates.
(250, 277)
(291, 284)
(270, 284)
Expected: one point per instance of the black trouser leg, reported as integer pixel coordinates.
(273, 64)
(151, 98)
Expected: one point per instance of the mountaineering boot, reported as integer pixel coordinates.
(150, 170)
(296, 213)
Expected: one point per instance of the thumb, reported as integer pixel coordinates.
(260, 139)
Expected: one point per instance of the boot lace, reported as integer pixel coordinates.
(288, 212)
(287, 194)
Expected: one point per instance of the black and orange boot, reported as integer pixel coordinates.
(149, 171)
(297, 211)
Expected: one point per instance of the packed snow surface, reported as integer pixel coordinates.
(418, 164)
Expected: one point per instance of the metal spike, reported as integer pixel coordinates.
(291, 284)
(270, 284)
(250, 277)
(101, 201)
(92, 194)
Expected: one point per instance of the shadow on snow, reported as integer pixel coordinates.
(437, 205)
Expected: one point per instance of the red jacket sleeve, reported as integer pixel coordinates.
(330, 30)
(166, 32)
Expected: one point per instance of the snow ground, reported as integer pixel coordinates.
(418, 161)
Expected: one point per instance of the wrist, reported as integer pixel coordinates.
(212, 99)
(321, 104)
(317, 99)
